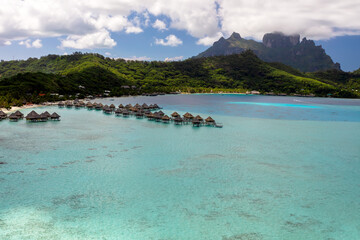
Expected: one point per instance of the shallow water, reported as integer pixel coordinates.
(272, 172)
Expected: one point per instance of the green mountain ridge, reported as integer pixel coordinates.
(92, 74)
(276, 47)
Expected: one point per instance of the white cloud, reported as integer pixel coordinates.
(37, 43)
(209, 40)
(5, 43)
(179, 58)
(135, 58)
(316, 19)
(160, 25)
(170, 40)
(100, 39)
(202, 19)
(28, 44)
(133, 29)
(108, 54)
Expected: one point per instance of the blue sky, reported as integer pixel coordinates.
(171, 29)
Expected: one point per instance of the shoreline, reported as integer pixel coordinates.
(14, 109)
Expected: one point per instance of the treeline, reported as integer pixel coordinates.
(36, 80)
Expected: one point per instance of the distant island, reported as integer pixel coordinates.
(54, 78)
(276, 47)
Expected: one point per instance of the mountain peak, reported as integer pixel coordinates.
(235, 35)
(276, 47)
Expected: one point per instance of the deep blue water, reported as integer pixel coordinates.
(280, 168)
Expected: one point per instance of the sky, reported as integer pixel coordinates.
(171, 30)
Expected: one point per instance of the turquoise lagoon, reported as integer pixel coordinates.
(280, 168)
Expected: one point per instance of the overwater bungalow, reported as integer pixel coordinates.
(149, 116)
(13, 117)
(137, 105)
(166, 119)
(46, 113)
(156, 106)
(118, 112)
(19, 114)
(55, 117)
(69, 104)
(82, 104)
(2, 115)
(145, 106)
(139, 114)
(188, 117)
(196, 122)
(175, 115)
(61, 104)
(178, 120)
(89, 105)
(128, 106)
(112, 106)
(126, 113)
(98, 106)
(107, 109)
(199, 118)
(161, 113)
(157, 117)
(77, 105)
(33, 117)
(121, 106)
(210, 121)
(43, 117)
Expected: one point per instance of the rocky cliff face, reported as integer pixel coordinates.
(277, 47)
(279, 40)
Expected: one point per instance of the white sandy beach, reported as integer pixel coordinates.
(14, 109)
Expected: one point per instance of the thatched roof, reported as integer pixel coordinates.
(175, 114)
(209, 119)
(55, 115)
(157, 115)
(106, 108)
(2, 114)
(33, 115)
(149, 115)
(151, 106)
(137, 105)
(161, 113)
(13, 116)
(166, 117)
(188, 115)
(156, 106)
(89, 104)
(43, 116)
(128, 106)
(19, 114)
(145, 106)
(199, 118)
(46, 113)
(121, 106)
(112, 106)
(178, 119)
